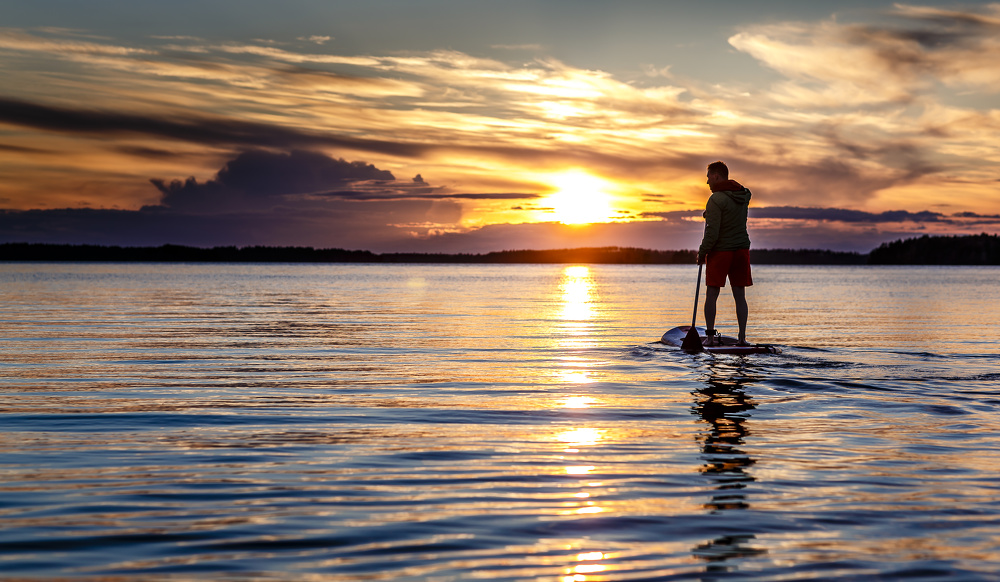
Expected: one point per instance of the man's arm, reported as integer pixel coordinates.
(713, 224)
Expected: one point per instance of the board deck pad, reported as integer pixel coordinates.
(675, 337)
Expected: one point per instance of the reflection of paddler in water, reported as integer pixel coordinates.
(724, 405)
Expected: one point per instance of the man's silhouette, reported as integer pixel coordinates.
(725, 247)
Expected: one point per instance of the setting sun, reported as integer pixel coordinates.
(580, 198)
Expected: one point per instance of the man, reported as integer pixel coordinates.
(726, 248)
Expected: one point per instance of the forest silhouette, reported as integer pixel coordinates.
(982, 249)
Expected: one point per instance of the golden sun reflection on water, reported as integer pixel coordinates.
(574, 328)
(580, 502)
(578, 572)
(576, 289)
(576, 377)
(579, 401)
(582, 436)
(574, 331)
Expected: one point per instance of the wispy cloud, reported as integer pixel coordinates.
(194, 129)
(836, 64)
(316, 38)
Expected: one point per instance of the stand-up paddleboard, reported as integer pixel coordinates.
(675, 337)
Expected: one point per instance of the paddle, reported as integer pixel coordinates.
(692, 341)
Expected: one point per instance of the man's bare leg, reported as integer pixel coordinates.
(742, 311)
(711, 298)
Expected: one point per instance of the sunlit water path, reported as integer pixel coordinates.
(517, 422)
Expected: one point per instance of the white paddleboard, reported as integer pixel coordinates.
(675, 337)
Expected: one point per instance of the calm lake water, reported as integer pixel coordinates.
(516, 422)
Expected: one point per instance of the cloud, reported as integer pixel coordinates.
(261, 179)
(20, 41)
(844, 215)
(837, 64)
(493, 196)
(188, 128)
(976, 215)
(868, 113)
(259, 197)
(318, 39)
(402, 191)
(262, 173)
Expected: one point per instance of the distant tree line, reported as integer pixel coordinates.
(941, 250)
(179, 254)
(265, 254)
(805, 257)
(982, 249)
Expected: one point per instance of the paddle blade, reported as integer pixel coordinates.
(692, 341)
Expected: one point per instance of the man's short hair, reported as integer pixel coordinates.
(720, 169)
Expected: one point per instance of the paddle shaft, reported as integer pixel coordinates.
(697, 289)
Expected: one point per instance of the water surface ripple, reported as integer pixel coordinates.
(429, 422)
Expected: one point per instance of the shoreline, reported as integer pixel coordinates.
(982, 249)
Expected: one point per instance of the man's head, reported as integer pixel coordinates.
(718, 172)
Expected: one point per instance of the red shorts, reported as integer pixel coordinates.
(735, 264)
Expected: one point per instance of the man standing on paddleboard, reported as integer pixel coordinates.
(725, 248)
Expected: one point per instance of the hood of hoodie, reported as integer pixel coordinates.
(734, 191)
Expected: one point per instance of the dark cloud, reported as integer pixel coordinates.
(262, 173)
(494, 196)
(254, 177)
(259, 180)
(149, 153)
(978, 220)
(953, 20)
(195, 129)
(259, 197)
(903, 159)
(210, 197)
(975, 215)
(673, 214)
(21, 149)
(400, 192)
(843, 176)
(827, 215)
(845, 215)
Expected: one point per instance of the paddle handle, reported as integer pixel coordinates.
(697, 289)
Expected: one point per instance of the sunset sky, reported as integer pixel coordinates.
(474, 126)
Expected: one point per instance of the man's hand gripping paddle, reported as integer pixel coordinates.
(692, 341)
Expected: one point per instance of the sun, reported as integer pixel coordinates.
(580, 198)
